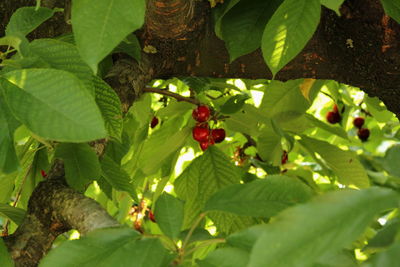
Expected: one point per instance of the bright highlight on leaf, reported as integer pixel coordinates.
(288, 31)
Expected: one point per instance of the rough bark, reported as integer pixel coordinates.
(359, 48)
(53, 209)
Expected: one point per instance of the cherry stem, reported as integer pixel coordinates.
(171, 94)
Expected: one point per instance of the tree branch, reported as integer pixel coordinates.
(53, 209)
(171, 94)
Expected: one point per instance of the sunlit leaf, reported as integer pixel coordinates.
(53, 105)
(288, 31)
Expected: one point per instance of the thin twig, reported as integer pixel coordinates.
(171, 94)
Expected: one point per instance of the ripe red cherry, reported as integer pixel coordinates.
(363, 134)
(200, 134)
(333, 117)
(201, 113)
(154, 122)
(204, 145)
(218, 135)
(358, 122)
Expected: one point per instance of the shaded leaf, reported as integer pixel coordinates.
(110, 107)
(260, 198)
(333, 221)
(15, 214)
(26, 19)
(99, 28)
(5, 257)
(108, 247)
(169, 215)
(243, 25)
(226, 257)
(116, 176)
(81, 164)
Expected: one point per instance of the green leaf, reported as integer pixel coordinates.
(20, 43)
(392, 8)
(99, 28)
(131, 46)
(269, 145)
(345, 164)
(288, 31)
(302, 234)
(219, 13)
(169, 215)
(284, 101)
(226, 257)
(336, 130)
(15, 214)
(8, 124)
(261, 198)
(81, 164)
(160, 145)
(243, 25)
(234, 104)
(5, 257)
(63, 56)
(110, 107)
(385, 236)
(107, 247)
(26, 19)
(116, 176)
(387, 258)
(53, 105)
(247, 121)
(201, 179)
(333, 4)
(391, 160)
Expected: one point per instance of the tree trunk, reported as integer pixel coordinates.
(359, 48)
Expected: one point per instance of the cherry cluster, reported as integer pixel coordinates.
(362, 133)
(202, 132)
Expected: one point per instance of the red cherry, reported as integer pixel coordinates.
(204, 145)
(218, 135)
(43, 173)
(154, 122)
(333, 117)
(358, 122)
(201, 113)
(363, 134)
(200, 134)
(151, 216)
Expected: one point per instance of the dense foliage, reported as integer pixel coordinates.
(266, 173)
